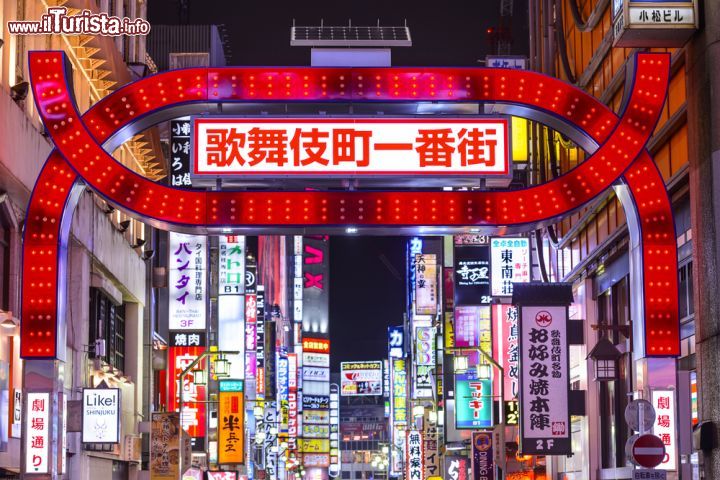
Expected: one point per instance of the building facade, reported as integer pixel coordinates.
(106, 265)
(592, 249)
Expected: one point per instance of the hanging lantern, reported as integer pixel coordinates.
(605, 356)
(222, 367)
(199, 376)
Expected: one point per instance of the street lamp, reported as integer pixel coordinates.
(605, 356)
(192, 368)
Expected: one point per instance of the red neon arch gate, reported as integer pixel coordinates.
(79, 155)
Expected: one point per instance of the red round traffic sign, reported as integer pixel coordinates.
(648, 451)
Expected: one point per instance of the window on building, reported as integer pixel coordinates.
(358, 474)
(614, 311)
(685, 297)
(107, 322)
(5, 232)
(345, 474)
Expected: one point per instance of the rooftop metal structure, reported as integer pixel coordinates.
(350, 36)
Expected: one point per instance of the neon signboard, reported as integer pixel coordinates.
(371, 146)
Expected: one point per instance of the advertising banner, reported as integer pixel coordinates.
(510, 262)
(414, 456)
(357, 146)
(544, 382)
(473, 327)
(186, 281)
(101, 415)
(315, 402)
(472, 275)
(321, 417)
(316, 360)
(426, 284)
(231, 428)
(483, 459)
(361, 378)
(473, 401)
(165, 446)
(423, 386)
(316, 431)
(425, 346)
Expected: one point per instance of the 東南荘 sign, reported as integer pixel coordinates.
(370, 146)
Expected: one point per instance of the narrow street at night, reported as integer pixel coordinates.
(359, 240)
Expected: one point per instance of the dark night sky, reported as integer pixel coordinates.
(443, 33)
(365, 295)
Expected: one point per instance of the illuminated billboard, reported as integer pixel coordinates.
(350, 146)
(361, 379)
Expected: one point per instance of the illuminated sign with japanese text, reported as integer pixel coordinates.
(510, 263)
(186, 281)
(361, 378)
(396, 342)
(544, 382)
(472, 327)
(37, 432)
(505, 346)
(193, 413)
(231, 429)
(472, 275)
(377, 146)
(426, 284)
(231, 264)
(414, 456)
(665, 425)
(399, 395)
(483, 460)
(473, 400)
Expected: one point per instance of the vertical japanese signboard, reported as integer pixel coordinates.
(396, 342)
(483, 459)
(186, 283)
(426, 284)
(665, 427)
(165, 446)
(193, 414)
(231, 265)
(316, 282)
(414, 456)
(260, 343)
(473, 400)
(431, 457)
(505, 346)
(472, 275)
(231, 419)
(37, 432)
(544, 382)
(399, 382)
(180, 153)
(510, 263)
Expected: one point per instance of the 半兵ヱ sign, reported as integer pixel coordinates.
(345, 146)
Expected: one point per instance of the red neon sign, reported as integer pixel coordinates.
(322, 147)
(79, 154)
